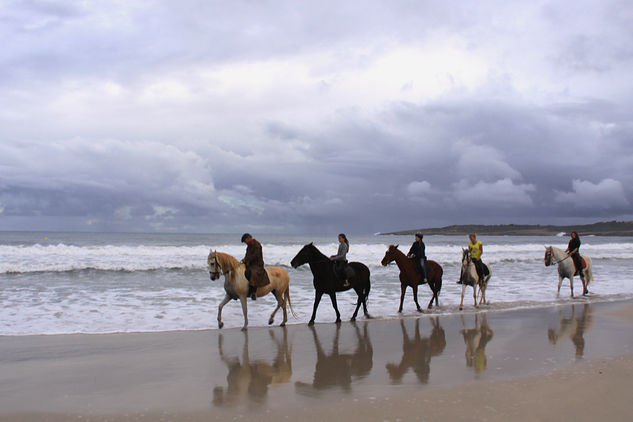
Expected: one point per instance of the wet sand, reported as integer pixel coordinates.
(573, 362)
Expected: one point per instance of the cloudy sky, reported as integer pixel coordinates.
(302, 116)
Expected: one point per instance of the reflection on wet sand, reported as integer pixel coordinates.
(250, 379)
(476, 340)
(338, 369)
(572, 328)
(417, 352)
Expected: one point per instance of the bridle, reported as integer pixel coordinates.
(218, 268)
(548, 258)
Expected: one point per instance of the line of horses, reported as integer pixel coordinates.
(325, 280)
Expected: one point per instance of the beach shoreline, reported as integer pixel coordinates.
(474, 366)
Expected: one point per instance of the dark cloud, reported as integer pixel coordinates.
(278, 116)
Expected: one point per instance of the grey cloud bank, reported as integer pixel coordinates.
(300, 117)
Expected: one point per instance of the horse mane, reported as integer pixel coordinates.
(314, 248)
(227, 262)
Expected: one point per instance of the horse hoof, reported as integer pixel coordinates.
(270, 322)
(283, 324)
(220, 325)
(369, 316)
(460, 308)
(338, 322)
(244, 328)
(399, 311)
(353, 319)
(311, 323)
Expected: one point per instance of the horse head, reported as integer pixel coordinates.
(390, 255)
(214, 267)
(466, 258)
(548, 256)
(307, 254)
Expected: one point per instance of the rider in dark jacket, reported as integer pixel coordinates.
(254, 261)
(418, 254)
(573, 249)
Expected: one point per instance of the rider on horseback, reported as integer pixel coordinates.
(341, 269)
(573, 250)
(254, 261)
(476, 249)
(418, 254)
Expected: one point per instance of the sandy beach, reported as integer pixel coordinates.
(573, 362)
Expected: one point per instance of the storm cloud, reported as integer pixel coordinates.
(282, 116)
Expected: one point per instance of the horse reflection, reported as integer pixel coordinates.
(250, 379)
(339, 369)
(417, 352)
(572, 328)
(476, 340)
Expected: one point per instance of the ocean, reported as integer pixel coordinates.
(62, 283)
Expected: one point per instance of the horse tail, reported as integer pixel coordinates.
(287, 299)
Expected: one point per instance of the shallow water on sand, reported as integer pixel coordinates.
(109, 282)
(298, 366)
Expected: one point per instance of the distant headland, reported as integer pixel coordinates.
(606, 228)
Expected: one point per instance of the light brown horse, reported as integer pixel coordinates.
(409, 277)
(236, 285)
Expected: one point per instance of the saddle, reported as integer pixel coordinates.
(343, 271)
(584, 265)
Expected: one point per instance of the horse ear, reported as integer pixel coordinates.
(311, 243)
(397, 246)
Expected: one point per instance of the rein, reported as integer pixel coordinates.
(551, 254)
(221, 270)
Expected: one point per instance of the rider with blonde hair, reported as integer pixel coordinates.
(476, 249)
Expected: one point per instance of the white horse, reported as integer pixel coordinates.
(236, 285)
(469, 277)
(567, 269)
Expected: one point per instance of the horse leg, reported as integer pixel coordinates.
(475, 284)
(358, 303)
(245, 312)
(226, 300)
(403, 289)
(583, 279)
(280, 299)
(461, 302)
(560, 283)
(317, 299)
(571, 285)
(434, 296)
(415, 297)
(335, 306)
(365, 294)
(283, 307)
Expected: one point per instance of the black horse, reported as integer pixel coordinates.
(325, 280)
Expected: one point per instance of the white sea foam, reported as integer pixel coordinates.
(61, 257)
(157, 286)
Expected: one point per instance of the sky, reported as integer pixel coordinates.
(313, 117)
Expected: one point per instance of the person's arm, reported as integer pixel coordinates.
(481, 249)
(411, 252)
(342, 251)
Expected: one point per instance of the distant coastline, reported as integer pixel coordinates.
(606, 228)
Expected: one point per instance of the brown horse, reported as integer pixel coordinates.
(409, 277)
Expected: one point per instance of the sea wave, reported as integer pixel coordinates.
(69, 258)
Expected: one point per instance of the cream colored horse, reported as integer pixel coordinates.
(567, 269)
(469, 277)
(236, 285)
